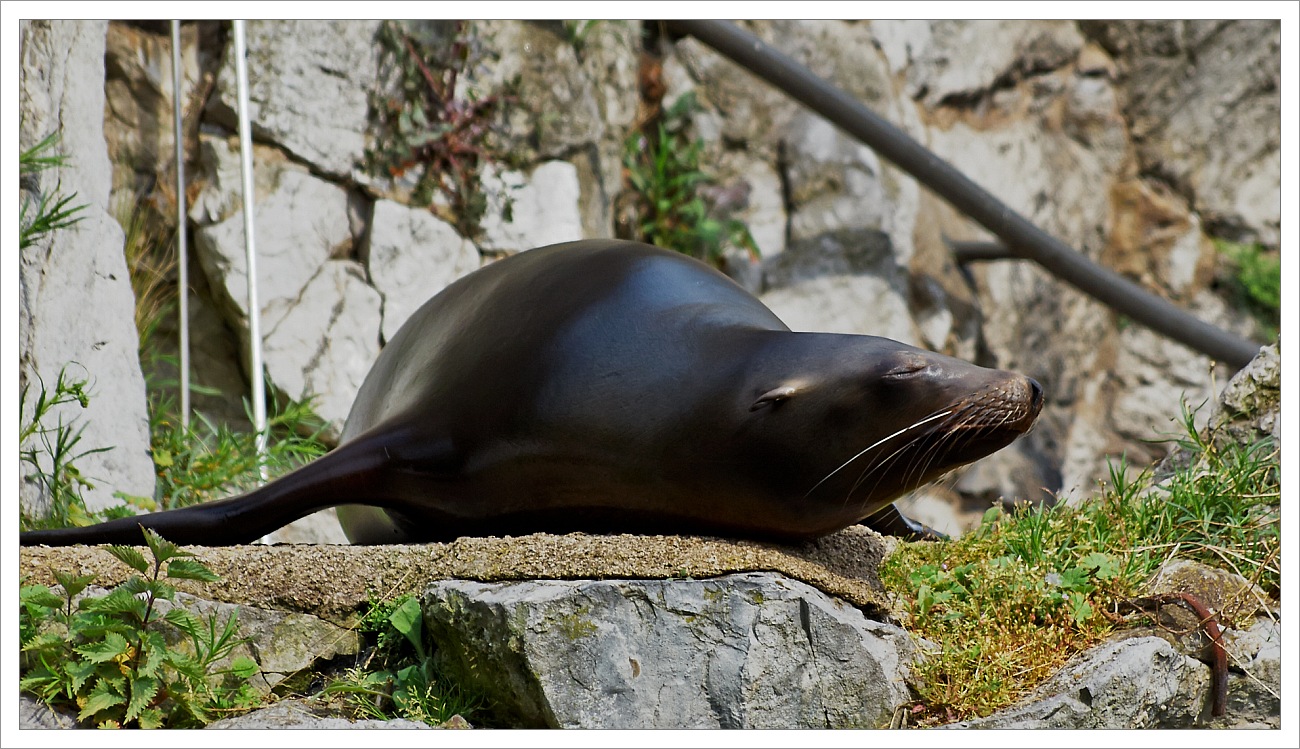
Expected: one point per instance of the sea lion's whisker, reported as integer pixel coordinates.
(876, 444)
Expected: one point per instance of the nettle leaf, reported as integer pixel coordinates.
(78, 672)
(151, 718)
(189, 569)
(162, 548)
(130, 556)
(112, 646)
(99, 700)
(184, 621)
(72, 584)
(51, 641)
(39, 684)
(185, 665)
(39, 595)
(155, 653)
(143, 689)
(156, 588)
(119, 601)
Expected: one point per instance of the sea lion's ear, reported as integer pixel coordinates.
(773, 396)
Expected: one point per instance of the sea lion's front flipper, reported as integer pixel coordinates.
(891, 522)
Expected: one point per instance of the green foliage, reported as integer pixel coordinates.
(1008, 603)
(208, 461)
(426, 127)
(664, 172)
(51, 454)
(405, 683)
(51, 210)
(108, 657)
(203, 460)
(1257, 282)
(575, 32)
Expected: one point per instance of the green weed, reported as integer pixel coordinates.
(51, 210)
(1256, 280)
(208, 461)
(108, 658)
(1010, 602)
(425, 125)
(51, 455)
(405, 684)
(663, 170)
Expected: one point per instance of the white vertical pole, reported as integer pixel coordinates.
(182, 253)
(254, 308)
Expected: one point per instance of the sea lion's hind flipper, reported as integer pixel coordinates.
(205, 524)
(345, 475)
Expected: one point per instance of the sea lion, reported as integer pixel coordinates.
(611, 386)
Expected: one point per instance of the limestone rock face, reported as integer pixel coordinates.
(753, 650)
(76, 304)
(543, 208)
(1201, 97)
(307, 88)
(412, 255)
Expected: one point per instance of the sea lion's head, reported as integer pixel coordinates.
(844, 424)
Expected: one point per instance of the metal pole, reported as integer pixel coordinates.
(1022, 238)
(254, 309)
(182, 251)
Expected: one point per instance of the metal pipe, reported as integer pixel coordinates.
(1022, 238)
(182, 251)
(254, 309)
(974, 251)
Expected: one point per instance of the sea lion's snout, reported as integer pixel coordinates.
(1035, 397)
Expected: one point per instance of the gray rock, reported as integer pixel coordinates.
(307, 88)
(326, 342)
(32, 713)
(299, 224)
(1255, 672)
(1250, 405)
(543, 208)
(952, 59)
(301, 714)
(1135, 683)
(76, 307)
(1204, 97)
(840, 282)
(745, 650)
(317, 528)
(412, 255)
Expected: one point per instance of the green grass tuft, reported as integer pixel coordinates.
(1010, 602)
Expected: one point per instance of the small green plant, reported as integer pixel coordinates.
(1257, 282)
(51, 210)
(663, 171)
(426, 125)
(51, 454)
(576, 31)
(1008, 603)
(208, 461)
(405, 684)
(107, 656)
